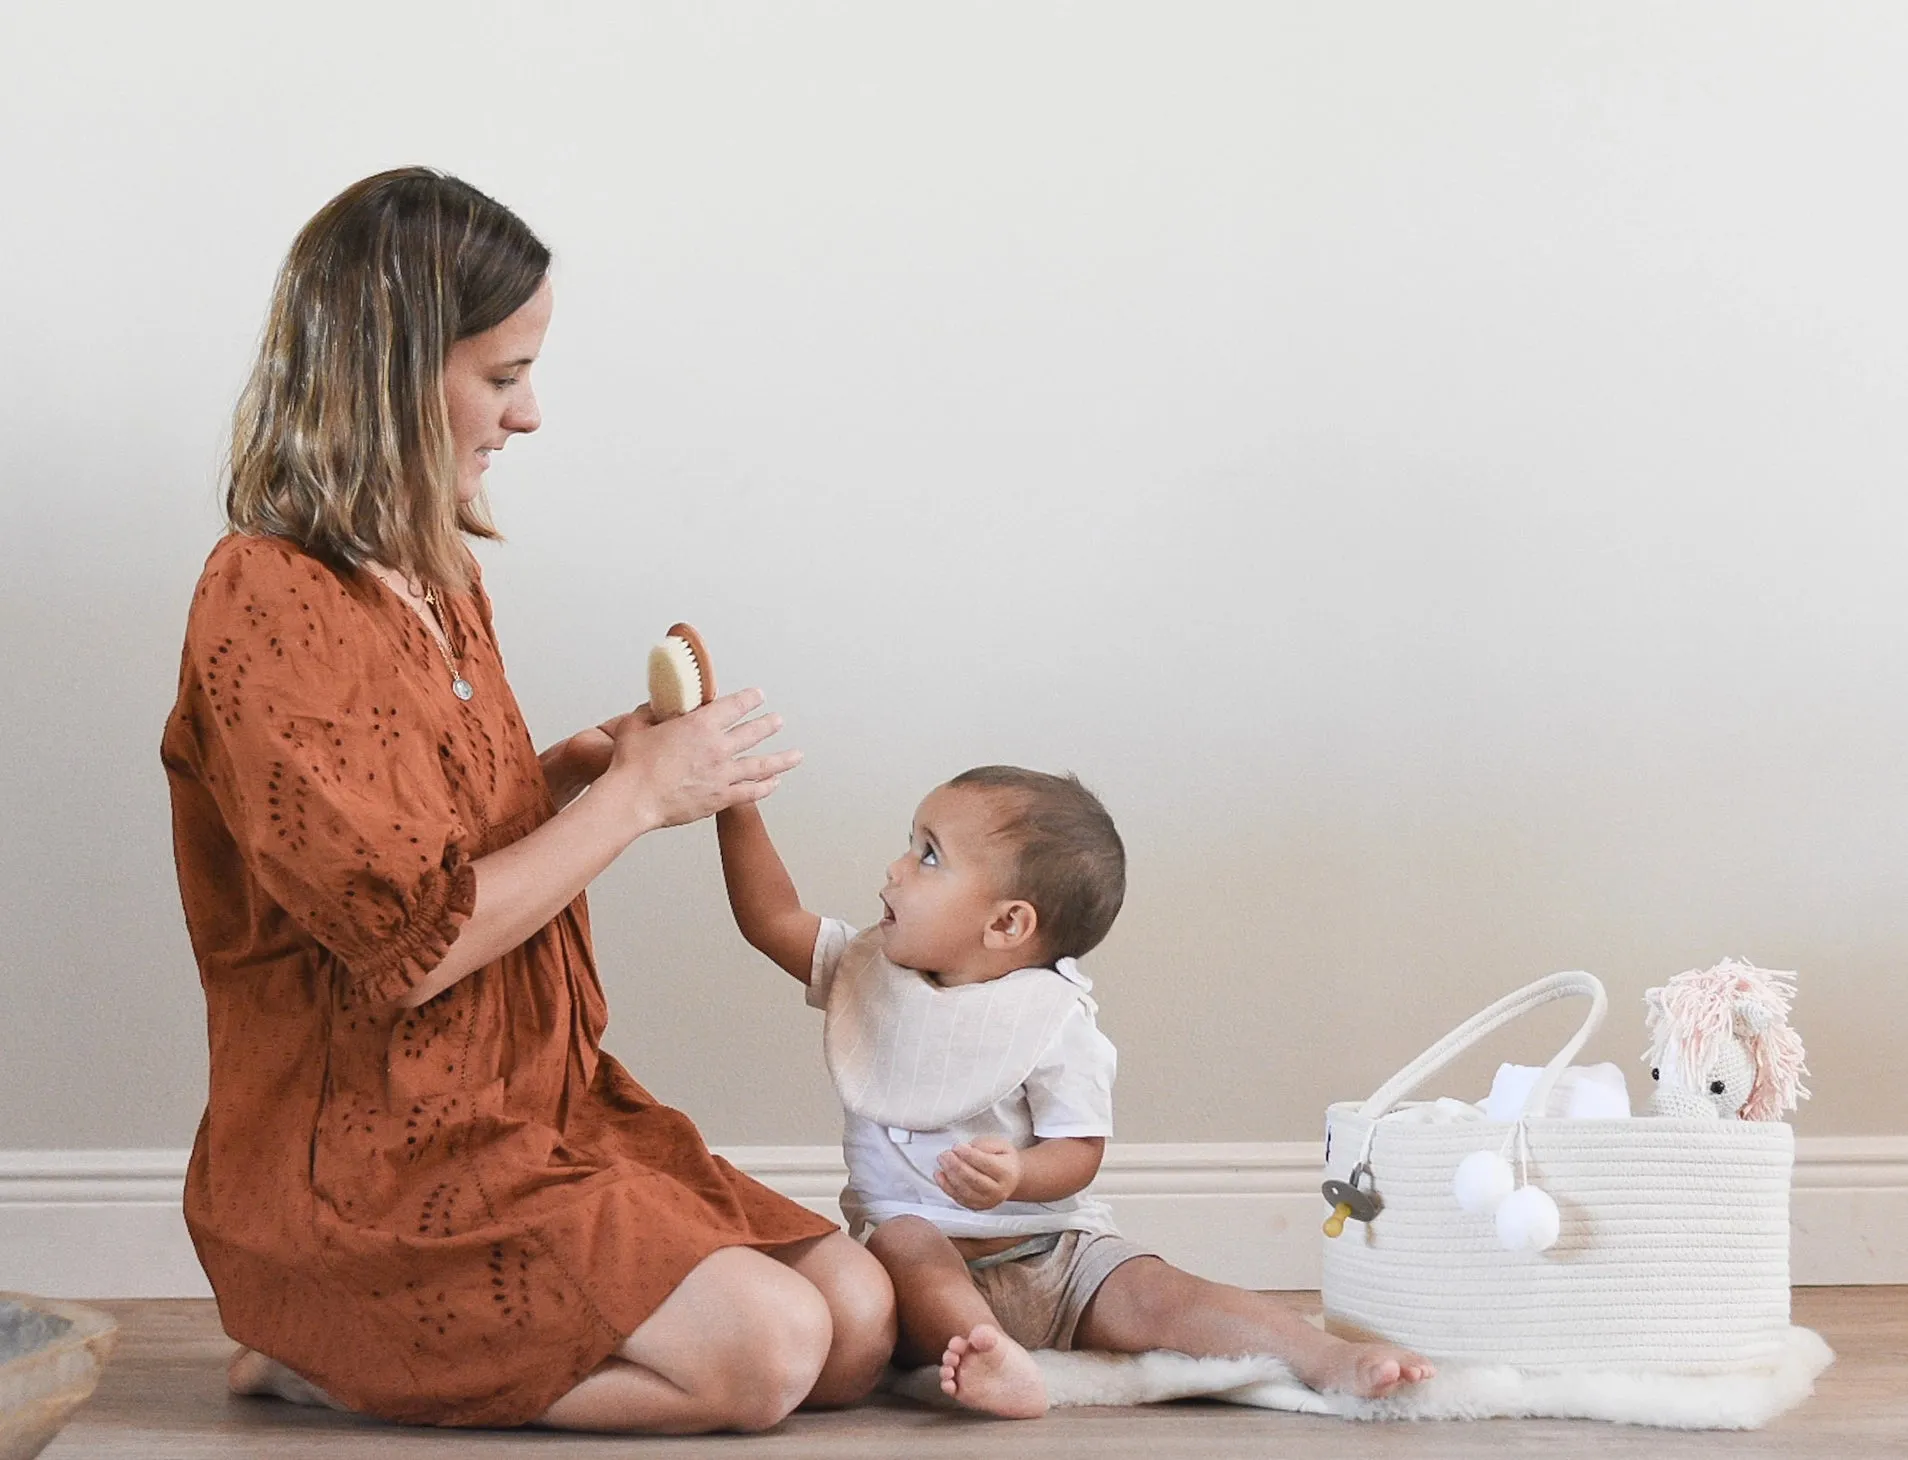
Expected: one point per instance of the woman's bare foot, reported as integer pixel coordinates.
(1367, 1370)
(252, 1373)
(988, 1371)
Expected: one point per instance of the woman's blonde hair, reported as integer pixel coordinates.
(341, 441)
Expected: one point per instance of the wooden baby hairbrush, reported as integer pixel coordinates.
(680, 675)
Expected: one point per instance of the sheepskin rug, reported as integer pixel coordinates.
(1742, 1399)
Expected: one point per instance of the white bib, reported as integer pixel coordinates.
(905, 1052)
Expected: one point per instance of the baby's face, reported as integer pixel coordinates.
(945, 890)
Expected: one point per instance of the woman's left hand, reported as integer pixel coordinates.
(571, 766)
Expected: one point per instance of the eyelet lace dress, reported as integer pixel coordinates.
(444, 1215)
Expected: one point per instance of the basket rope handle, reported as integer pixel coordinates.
(1514, 1005)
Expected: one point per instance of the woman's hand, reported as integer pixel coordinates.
(693, 766)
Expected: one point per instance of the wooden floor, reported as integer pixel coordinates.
(163, 1398)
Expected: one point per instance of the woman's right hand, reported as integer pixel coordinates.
(697, 764)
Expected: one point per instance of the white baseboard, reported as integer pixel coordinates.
(106, 1224)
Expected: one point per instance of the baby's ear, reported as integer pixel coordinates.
(1013, 925)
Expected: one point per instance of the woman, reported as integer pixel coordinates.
(421, 1190)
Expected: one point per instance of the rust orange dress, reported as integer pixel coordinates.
(442, 1215)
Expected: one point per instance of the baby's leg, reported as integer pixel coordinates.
(944, 1317)
(1145, 1304)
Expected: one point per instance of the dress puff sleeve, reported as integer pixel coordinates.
(321, 756)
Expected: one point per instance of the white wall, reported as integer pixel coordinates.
(1436, 469)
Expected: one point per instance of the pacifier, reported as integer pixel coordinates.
(1349, 1199)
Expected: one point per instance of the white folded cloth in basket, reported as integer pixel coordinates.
(1582, 1092)
(1442, 1111)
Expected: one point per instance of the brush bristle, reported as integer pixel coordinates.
(675, 678)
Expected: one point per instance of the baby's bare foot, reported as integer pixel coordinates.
(1368, 1370)
(988, 1371)
(252, 1373)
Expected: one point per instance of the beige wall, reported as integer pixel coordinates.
(1437, 470)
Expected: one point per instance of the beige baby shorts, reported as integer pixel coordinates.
(1039, 1288)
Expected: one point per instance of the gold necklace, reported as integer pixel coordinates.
(460, 686)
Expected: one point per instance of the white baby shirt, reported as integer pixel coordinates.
(1069, 1092)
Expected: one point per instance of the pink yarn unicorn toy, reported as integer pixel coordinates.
(1721, 1045)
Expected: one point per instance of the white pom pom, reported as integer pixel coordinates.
(1483, 1180)
(1528, 1220)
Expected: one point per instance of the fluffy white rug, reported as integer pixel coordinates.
(1743, 1399)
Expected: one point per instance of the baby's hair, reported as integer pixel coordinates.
(1069, 861)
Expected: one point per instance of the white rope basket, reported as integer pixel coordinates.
(1673, 1252)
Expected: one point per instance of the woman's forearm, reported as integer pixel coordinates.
(658, 775)
(523, 886)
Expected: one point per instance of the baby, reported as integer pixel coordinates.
(961, 1037)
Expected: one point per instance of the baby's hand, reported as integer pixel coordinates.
(979, 1174)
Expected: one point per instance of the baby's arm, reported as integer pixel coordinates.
(981, 1174)
(762, 895)
(1070, 1094)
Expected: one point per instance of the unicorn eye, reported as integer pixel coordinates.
(1716, 1087)
(1656, 1074)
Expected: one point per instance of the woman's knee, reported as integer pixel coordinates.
(860, 1300)
(743, 1335)
(773, 1364)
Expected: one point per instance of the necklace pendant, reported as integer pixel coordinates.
(461, 687)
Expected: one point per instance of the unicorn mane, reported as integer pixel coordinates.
(1701, 1009)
